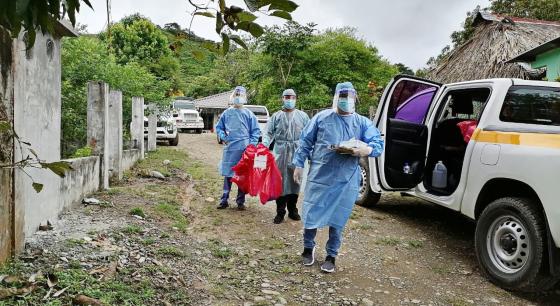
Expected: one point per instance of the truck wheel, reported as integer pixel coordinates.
(175, 141)
(366, 196)
(510, 242)
(199, 131)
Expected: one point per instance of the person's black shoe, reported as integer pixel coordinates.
(241, 207)
(223, 206)
(328, 266)
(308, 256)
(294, 216)
(278, 219)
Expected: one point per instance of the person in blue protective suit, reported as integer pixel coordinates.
(283, 132)
(237, 128)
(333, 180)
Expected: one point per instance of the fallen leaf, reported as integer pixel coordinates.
(98, 271)
(6, 293)
(48, 294)
(34, 276)
(2, 277)
(111, 271)
(59, 292)
(52, 280)
(11, 279)
(86, 300)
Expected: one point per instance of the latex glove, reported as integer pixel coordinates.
(362, 152)
(298, 174)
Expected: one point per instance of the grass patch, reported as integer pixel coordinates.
(391, 241)
(457, 302)
(270, 243)
(137, 211)
(132, 229)
(154, 162)
(441, 270)
(170, 251)
(78, 281)
(148, 241)
(219, 249)
(172, 212)
(73, 242)
(415, 244)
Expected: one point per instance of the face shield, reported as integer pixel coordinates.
(238, 96)
(345, 100)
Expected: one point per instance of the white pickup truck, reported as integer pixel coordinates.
(499, 140)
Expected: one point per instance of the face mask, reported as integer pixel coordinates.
(345, 105)
(238, 100)
(289, 104)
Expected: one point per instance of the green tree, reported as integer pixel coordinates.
(284, 44)
(403, 69)
(535, 9)
(137, 39)
(85, 59)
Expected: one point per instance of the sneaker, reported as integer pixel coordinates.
(241, 207)
(223, 206)
(308, 256)
(294, 217)
(278, 219)
(328, 265)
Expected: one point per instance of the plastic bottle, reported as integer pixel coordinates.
(439, 176)
(406, 168)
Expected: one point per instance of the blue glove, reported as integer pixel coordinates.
(222, 135)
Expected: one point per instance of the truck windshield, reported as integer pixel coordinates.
(532, 105)
(184, 105)
(258, 110)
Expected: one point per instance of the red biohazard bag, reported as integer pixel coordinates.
(257, 174)
(244, 169)
(272, 184)
(467, 129)
(266, 180)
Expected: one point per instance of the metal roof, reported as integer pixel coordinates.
(217, 101)
(531, 55)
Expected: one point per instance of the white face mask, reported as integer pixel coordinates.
(289, 103)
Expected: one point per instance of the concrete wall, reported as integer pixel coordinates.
(115, 134)
(79, 183)
(37, 113)
(130, 157)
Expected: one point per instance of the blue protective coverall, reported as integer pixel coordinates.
(333, 180)
(238, 127)
(284, 128)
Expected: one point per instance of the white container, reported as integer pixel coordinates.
(439, 176)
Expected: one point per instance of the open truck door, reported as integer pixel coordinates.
(402, 115)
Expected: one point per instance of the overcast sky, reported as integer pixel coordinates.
(407, 31)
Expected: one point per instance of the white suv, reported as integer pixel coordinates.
(166, 130)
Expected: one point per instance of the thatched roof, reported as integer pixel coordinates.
(497, 39)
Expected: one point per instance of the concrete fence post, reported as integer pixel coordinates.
(97, 127)
(115, 127)
(152, 132)
(137, 124)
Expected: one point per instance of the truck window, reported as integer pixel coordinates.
(532, 105)
(258, 111)
(410, 101)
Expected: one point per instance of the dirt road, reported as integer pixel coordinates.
(403, 252)
(154, 241)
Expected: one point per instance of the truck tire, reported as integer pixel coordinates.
(366, 196)
(199, 131)
(175, 141)
(510, 243)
